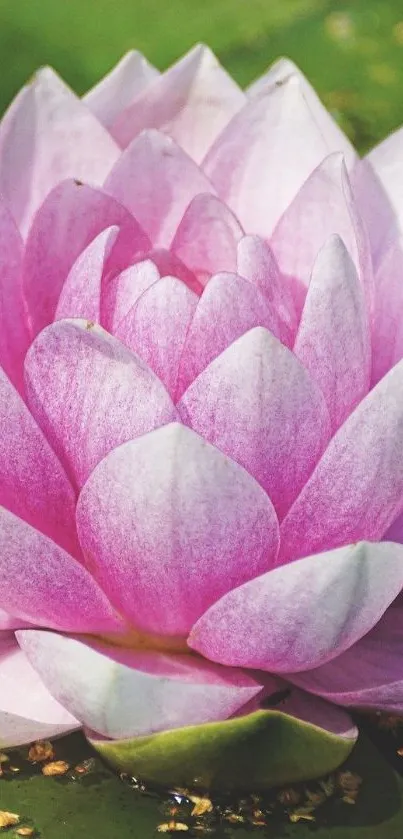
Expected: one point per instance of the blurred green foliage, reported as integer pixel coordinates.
(352, 51)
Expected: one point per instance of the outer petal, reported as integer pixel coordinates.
(44, 585)
(258, 405)
(333, 340)
(356, 490)
(385, 160)
(369, 675)
(14, 339)
(273, 623)
(68, 221)
(33, 484)
(263, 157)
(376, 209)
(124, 694)
(48, 135)
(169, 525)
(387, 334)
(124, 290)
(157, 326)
(8, 623)
(229, 307)
(257, 263)
(156, 181)
(27, 711)
(89, 393)
(192, 102)
(306, 225)
(81, 292)
(207, 237)
(115, 92)
(335, 138)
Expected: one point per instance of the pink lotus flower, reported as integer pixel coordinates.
(201, 403)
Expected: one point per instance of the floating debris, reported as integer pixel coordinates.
(57, 767)
(172, 827)
(25, 831)
(8, 819)
(41, 751)
(201, 805)
(85, 767)
(303, 814)
(289, 797)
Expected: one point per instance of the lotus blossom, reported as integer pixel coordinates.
(201, 399)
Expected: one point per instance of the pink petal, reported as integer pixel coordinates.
(9, 622)
(385, 160)
(81, 293)
(305, 227)
(333, 340)
(14, 339)
(192, 102)
(170, 525)
(115, 92)
(44, 585)
(356, 490)
(387, 334)
(228, 307)
(156, 181)
(273, 623)
(256, 262)
(89, 394)
(27, 711)
(258, 405)
(122, 292)
(157, 326)
(334, 137)
(169, 265)
(68, 221)
(263, 157)
(207, 237)
(33, 483)
(375, 208)
(48, 135)
(369, 675)
(122, 693)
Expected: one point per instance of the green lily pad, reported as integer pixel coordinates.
(258, 751)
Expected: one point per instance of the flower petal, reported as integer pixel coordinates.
(68, 221)
(125, 694)
(387, 336)
(272, 623)
(385, 160)
(157, 326)
(27, 711)
(333, 340)
(14, 338)
(369, 675)
(124, 290)
(258, 405)
(356, 490)
(192, 102)
(156, 181)
(169, 525)
(48, 135)
(256, 262)
(259, 162)
(206, 239)
(44, 585)
(89, 393)
(115, 92)
(81, 293)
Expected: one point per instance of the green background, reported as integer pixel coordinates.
(352, 51)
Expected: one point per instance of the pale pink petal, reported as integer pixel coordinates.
(169, 524)
(257, 263)
(207, 237)
(228, 307)
(169, 265)
(305, 227)
(44, 585)
(8, 623)
(263, 157)
(89, 393)
(335, 138)
(304, 614)
(82, 291)
(356, 490)
(387, 331)
(67, 222)
(33, 483)
(376, 209)
(27, 711)
(386, 162)
(122, 292)
(115, 92)
(14, 338)
(48, 135)
(258, 405)
(192, 102)
(333, 340)
(122, 693)
(369, 675)
(156, 181)
(157, 326)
